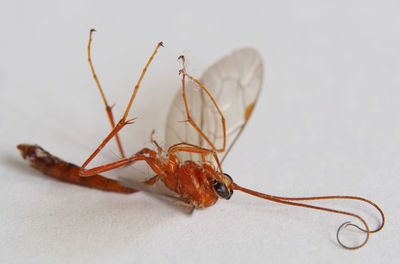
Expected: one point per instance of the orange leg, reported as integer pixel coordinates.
(159, 148)
(116, 164)
(148, 151)
(190, 120)
(191, 149)
(123, 122)
(108, 107)
(152, 155)
(187, 146)
(111, 166)
(195, 149)
(152, 180)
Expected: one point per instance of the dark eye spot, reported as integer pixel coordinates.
(221, 189)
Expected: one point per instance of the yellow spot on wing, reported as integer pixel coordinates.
(249, 110)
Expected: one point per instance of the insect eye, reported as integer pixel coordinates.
(227, 175)
(221, 189)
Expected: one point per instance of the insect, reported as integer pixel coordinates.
(205, 120)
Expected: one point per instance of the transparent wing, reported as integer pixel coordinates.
(234, 81)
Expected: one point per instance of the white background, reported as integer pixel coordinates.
(327, 122)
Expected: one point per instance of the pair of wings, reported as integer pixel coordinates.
(234, 82)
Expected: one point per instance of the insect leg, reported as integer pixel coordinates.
(149, 159)
(108, 107)
(152, 180)
(148, 151)
(190, 120)
(186, 147)
(159, 148)
(123, 122)
(117, 164)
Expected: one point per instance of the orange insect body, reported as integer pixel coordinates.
(197, 184)
(193, 182)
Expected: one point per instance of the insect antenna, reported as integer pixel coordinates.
(290, 201)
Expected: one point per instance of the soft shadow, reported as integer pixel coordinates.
(159, 192)
(20, 165)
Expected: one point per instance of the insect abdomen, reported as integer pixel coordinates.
(54, 167)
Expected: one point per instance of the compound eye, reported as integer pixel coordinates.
(221, 189)
(228, 176)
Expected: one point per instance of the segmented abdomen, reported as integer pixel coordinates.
(57, 168)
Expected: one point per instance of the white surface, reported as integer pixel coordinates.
(327, 122)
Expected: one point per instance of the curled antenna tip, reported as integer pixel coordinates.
(92, 30)
(161, 44)
(345, 225)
